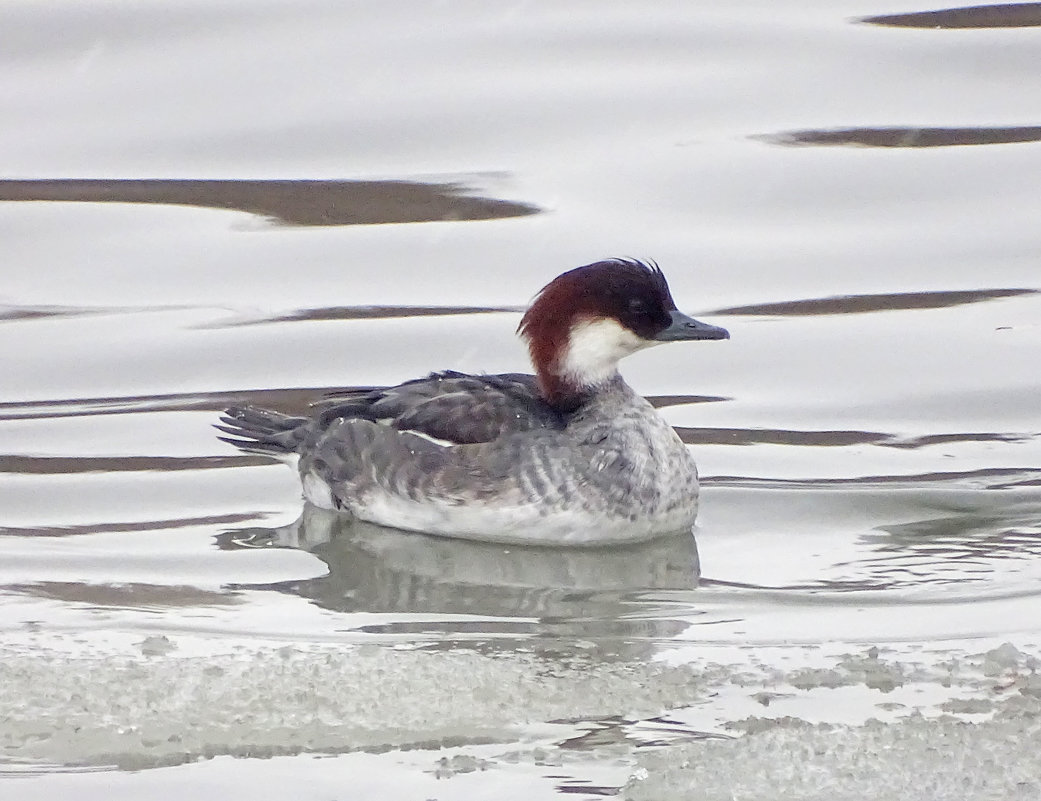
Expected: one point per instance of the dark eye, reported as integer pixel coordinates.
(637, 306)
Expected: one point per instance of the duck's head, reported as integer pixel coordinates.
(584, 321)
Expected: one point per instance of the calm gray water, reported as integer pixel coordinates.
(208, 202)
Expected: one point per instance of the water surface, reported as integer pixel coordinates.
(213, 203)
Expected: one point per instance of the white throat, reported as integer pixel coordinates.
(594, 349)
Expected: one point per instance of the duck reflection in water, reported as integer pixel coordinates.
(378, 569)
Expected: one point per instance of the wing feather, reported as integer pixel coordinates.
(452, 407)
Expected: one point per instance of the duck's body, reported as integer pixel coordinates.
(571, 456)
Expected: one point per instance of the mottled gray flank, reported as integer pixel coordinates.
(613, 470)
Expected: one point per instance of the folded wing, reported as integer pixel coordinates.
(453, 408)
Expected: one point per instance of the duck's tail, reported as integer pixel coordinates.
(263, 431)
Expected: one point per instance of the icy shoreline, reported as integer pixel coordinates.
(892, 721)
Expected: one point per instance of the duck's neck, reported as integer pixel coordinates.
(562, 394)
(572, 369)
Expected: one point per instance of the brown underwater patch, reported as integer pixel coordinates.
(292, 202)
(863, 304)
(1002, 15)
(904, 136)
(329, 313)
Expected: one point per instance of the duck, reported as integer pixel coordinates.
(570, 455)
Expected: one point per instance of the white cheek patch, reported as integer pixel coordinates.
(594, 348)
